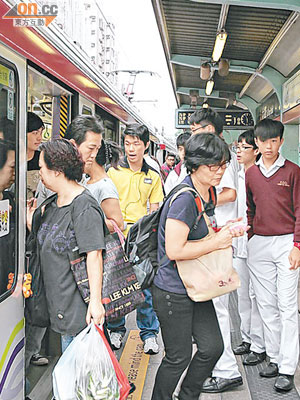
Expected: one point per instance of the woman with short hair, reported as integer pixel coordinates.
(72, 220)
(181, 319)
(102, 187)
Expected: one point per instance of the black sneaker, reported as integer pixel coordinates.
(37, 359)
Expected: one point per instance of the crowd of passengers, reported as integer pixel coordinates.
(95, 183)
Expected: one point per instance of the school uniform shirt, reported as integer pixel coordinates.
(274, 168)
(152, 163)
(241, 242)
(175, 177)
(229, 180)
(273, 202)
(135, 189)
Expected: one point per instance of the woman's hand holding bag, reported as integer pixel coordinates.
(212, 274)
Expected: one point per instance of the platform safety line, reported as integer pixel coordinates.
(134, 363)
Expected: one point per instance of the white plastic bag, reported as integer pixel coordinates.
(85, 370)
(64, 373)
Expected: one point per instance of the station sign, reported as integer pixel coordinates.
(231, 119)
(269, 108)
(290, 92)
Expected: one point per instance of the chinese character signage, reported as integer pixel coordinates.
(231, 119)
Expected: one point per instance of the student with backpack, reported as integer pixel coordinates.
(273, 199)
(181, 319)
(137, 184)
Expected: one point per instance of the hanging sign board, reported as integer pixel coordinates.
(231, 119)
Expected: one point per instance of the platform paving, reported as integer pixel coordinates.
(254, 387)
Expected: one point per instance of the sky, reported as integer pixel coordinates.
(140, 48)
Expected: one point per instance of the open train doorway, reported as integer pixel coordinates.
(51, 102)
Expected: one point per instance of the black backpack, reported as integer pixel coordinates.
(141, 241)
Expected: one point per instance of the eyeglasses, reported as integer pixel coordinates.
(244, 148)
(216, 167)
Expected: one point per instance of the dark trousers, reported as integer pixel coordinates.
(181, 319)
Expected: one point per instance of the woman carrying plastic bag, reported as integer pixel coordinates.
(88, 369)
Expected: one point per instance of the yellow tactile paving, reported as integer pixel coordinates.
(134, 363)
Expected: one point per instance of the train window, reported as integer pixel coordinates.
(86, 110)
(109, 131)
(8, 145)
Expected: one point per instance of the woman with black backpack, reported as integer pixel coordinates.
(179, 233)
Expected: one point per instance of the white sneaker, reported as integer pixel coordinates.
(151, 345)
(116, 340)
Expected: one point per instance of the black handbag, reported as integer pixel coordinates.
(121, 291)
(36, 308)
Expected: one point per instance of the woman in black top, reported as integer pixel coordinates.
(72, 220)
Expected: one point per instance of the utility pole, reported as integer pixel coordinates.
(129, 93)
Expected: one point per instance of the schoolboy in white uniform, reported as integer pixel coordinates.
(177, 175)
(226, 374)
(251, 323)
(273, 200)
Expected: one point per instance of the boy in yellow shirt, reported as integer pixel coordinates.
(137, 184)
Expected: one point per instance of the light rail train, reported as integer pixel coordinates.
(43, 72)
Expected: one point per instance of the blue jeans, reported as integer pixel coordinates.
(146, 319)
(65, 341)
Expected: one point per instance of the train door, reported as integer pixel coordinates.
(12, 222)
(51, 102)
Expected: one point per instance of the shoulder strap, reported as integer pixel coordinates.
(213, 196)
(197, 198)
(182, 188)
(37, 216)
